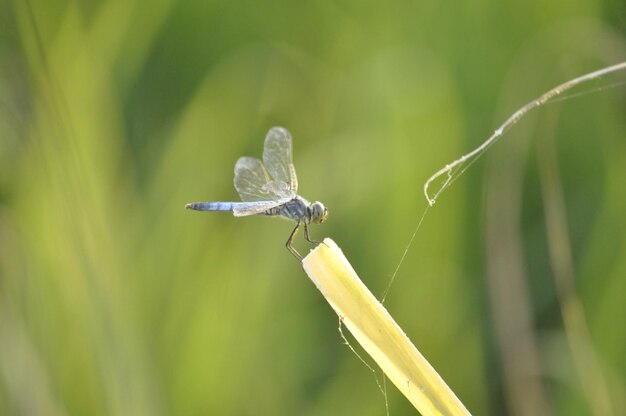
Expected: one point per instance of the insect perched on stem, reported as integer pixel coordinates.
(270, 187)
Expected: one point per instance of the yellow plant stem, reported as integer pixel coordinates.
(376, 331)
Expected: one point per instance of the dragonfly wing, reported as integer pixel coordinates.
(254, 183)
(280, 189)
(277, 157)
(250, 180)
(243, 209)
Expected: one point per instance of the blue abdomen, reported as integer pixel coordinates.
(211, 206)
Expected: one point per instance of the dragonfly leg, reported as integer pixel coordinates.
(306, 235)
(289, 242)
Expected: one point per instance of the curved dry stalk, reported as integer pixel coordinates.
(517, 116)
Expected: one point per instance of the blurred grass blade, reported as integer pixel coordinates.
(577, 331)
(377, 332)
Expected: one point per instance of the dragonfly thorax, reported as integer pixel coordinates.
(300, 210)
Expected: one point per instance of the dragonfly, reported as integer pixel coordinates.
(269, 187)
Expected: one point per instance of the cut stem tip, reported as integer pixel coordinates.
(376, 331)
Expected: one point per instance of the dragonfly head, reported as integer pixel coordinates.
(319, 212)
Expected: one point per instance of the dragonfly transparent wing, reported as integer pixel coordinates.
(243, 209)
(277, 157)
(254, 183)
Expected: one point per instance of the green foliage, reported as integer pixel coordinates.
(114, 300)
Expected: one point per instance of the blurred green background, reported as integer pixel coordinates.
(114, 300)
